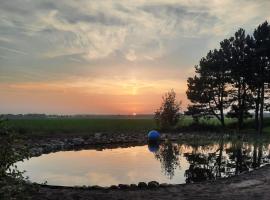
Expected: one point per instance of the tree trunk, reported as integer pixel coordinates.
(241, 108)
(241, 116)
(222, 119)
(222, 113)
(221, 107)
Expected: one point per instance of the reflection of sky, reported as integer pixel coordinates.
(114, 166)
(107, 167)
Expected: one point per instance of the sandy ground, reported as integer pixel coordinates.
(253, 185)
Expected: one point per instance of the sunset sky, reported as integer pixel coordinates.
(109, 57)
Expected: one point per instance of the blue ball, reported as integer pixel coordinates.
(153, 135)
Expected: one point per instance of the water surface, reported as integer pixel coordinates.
(166, 163)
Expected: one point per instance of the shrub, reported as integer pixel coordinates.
(168, 115)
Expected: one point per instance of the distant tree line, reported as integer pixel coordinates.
(233, 80)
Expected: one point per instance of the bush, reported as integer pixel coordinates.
(12, 184)
(168, 115)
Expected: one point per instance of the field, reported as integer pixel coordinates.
(83, 126)
(45, 127)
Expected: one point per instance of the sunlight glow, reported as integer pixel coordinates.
(104, 96)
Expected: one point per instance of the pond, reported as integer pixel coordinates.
(168, 162)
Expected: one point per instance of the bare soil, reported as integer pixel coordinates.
(252, 185)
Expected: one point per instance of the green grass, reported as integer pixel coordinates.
(267, 130)
(83, 126)
(45, 127)
(187, 120)
(249, 124)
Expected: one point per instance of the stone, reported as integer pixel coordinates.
(123, 186)
(133, 186)
(98, 135)
(153, 184)
(96, 187)
(142, 185)
(164, 185)
(113, 187)
(77, 141)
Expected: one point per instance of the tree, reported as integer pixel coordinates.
(262, 69)
(168, 114)
(240, 74)
(196, 111)
(207, 89)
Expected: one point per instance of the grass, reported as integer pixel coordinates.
(50, 127)
(84, 126)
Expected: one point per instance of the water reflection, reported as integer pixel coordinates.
(153, 147)
(168, 155)
(211, 161)
(167, 162)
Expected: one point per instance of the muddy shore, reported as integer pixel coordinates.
(252, 185)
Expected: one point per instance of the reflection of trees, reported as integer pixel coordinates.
(245, 156)
(237, 158)
(257, 154)
(200, 168)
(204, 165)
(211, 161)
(168, 155)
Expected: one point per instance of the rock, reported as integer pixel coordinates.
(89, 141)
(123, 186)
(133, 186)
(96, 187)
(98, 135)
(163, 136)
(77, 141)
(114, 187)
(164, 185)
(153, 184)
(142, 185)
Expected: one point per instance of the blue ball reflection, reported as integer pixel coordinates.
(153, 147)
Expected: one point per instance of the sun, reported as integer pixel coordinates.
(134, 114)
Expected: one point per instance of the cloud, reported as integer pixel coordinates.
(54, 42)
(97, 30)
(16, 51)
(4, 39)
(131, 56)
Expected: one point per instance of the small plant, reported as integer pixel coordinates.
(12, 184)
(168, 115)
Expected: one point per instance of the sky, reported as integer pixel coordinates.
(109, 57)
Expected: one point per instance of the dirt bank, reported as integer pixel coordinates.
(253, 185)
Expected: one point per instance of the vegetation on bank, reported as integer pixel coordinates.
(12, 183)
(74, 127)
